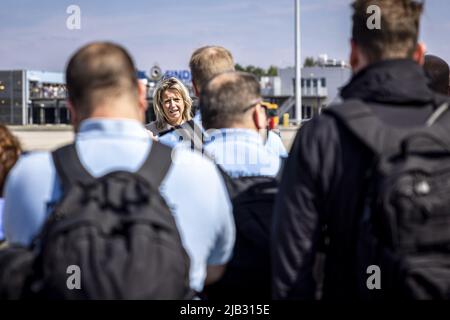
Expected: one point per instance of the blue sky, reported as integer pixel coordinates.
(33, 34)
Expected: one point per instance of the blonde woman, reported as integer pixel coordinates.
(172, 105)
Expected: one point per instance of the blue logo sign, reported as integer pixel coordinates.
(183, 75)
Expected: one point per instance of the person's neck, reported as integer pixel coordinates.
(363, 64)
(115, 115)
(121, 108)
(177, 123)
(243, 126)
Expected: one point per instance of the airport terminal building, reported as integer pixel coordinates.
(28, 97)
(39, 97)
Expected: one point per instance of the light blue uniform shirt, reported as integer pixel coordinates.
(273, 143)
(192, 188)
(241, 153)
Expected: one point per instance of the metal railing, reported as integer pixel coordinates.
(286, 106)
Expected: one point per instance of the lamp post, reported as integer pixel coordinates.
(298, 71)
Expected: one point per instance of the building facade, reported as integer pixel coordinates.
(28, 97)
(320, 85)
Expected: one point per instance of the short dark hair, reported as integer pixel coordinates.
(99, 70)
(209, 61)
(225, 98)
(399, 32)
(438, 72)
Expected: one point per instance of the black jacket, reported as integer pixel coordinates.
(323, 183)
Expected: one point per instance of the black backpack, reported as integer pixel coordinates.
(116, 230)
(404, 229)
(16, 267)
(248, 273)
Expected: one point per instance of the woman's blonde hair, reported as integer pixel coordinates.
(174, 84)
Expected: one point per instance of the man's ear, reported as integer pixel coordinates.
(358, 61)
(142, 96)
(419, 53)
(196, 91)
(259, 120)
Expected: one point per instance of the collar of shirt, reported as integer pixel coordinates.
(241, 153)
(236, 135)
(106, 145)
(112, 128)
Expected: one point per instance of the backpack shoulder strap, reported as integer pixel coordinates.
(69, 167)
(279, 175)
(437, 130)
(196, 134)
(157, 164)
(360, 120)
(230, 184)
(440, 114)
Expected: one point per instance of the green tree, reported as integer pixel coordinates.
(309, 62)
(259, 72)
(272, 71)
(238, 67)
(250, 69)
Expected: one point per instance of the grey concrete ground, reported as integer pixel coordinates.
(48, 137)
(43, 137)
(288, 135)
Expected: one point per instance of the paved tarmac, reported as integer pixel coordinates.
(49, 137)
